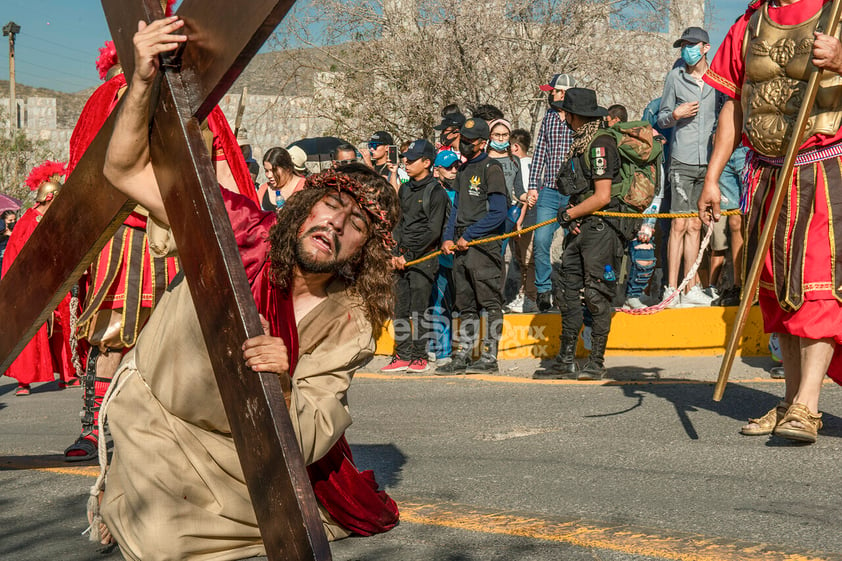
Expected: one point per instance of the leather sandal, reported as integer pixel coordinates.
(807, 427)
(767, 423)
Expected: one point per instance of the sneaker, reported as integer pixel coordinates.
(431, 356)
(529, 306)
(417, 366)
(777, 372)
(669, 291)
(397, 365)
(544, 301)
(695, 297)
(442, 361)
(633, 303)
(712, 292)
(515, 306)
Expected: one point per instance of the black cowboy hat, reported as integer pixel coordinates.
(582, 102)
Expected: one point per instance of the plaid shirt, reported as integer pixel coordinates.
(554, 139)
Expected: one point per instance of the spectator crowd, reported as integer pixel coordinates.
(483, 177)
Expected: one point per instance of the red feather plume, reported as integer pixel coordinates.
(45, 172)
(107, 59)
(168, 11)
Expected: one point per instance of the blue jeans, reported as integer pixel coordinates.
(549, 201)
(441, 304)
(639, 275)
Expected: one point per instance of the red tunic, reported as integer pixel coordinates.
(350, 497)
(820, 316)
(44, 355)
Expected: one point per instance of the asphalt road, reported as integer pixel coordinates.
(641, 467)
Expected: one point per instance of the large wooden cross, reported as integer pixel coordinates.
(223, 36)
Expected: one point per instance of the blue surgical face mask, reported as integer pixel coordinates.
(499, 146)
(691, 54)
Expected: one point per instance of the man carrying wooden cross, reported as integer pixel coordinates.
(763, 65)
(319, 275)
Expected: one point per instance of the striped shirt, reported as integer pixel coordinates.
(554, 139)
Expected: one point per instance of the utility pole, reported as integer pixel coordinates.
(11, 29)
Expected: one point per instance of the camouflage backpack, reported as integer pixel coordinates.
(641, 159)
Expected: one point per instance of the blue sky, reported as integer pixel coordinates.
(58, 42)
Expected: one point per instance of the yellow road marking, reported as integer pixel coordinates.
(521, 380)
(632, 540)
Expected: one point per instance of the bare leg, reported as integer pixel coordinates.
(691, 246)
(735, 223)
(675, 249)
(815, 358)
(791, 355)
(717, 261)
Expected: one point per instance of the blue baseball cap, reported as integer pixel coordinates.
(445, 159)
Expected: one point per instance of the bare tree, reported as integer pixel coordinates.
(395, 63)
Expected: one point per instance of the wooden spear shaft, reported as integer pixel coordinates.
(782, 186)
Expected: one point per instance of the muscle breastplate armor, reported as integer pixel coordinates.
(777, 62)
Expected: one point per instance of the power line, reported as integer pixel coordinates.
(55, 54)
(55, 43)
(57, 84)
(72, 77)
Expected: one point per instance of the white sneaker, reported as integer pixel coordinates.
(516, 305)
(633, 303)
(712, 292)
(668, 291)
(695, 297)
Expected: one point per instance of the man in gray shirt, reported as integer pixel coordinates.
(689, 105)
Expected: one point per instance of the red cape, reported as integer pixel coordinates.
(43, 355)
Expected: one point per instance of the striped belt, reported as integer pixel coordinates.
(806, 157)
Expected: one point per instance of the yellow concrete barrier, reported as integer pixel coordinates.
(681, 331)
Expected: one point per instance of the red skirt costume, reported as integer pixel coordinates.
(760, 64)
(125, 282)
(49, 350)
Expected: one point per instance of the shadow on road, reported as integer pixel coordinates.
(740, 403)
(386, 460)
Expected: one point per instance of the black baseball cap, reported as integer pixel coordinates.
(420, 149)
(451, 120)
(692, 35)
(475, 128)
(381, 137)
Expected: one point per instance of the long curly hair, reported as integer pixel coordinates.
(368, 275)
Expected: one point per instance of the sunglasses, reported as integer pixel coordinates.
(373, 145)
(344, 162)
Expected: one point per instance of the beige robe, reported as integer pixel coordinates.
(175, 489)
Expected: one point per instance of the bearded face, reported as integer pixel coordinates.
(333, 234)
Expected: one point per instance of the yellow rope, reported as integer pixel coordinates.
(670, 215)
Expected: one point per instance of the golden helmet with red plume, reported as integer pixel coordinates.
(46, 179)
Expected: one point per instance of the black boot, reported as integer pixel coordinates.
(544, 301)
(457, 365)
(487, 363)
(564, 365)
(594, 368)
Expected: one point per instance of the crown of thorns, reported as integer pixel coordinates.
(365, 196)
